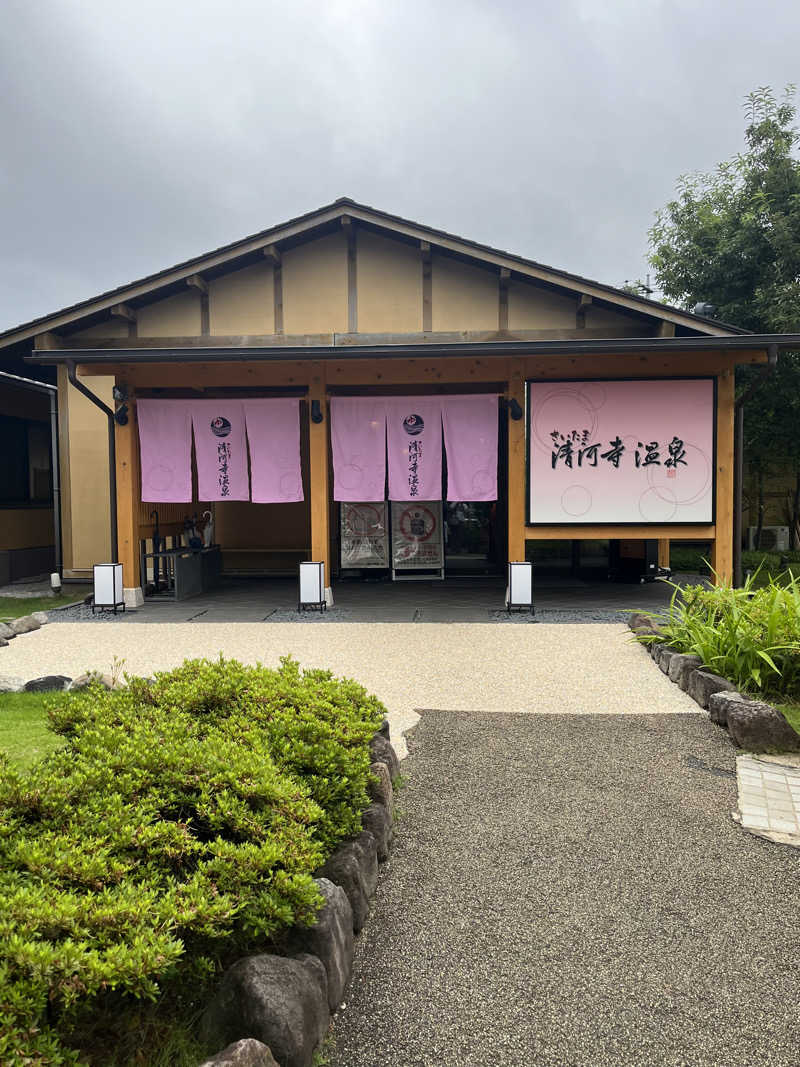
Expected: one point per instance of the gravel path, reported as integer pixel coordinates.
(575, 668)
(570, 891)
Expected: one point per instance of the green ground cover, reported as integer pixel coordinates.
(176, 826)
(751, 636)
(25, 732)
(12, 607)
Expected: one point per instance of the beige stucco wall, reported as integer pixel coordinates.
(315, 286)
(112, 327)
(389, 281)
(243, 302)
(532, 308)
(84, 470)
(463, 297)
(178, 316)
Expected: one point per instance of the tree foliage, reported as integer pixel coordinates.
(732, 238)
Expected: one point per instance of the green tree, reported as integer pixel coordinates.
(732, 238)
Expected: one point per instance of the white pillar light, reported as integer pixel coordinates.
(520, 587)
(312, 586)
(108, 587)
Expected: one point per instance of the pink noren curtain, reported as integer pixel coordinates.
(220, 449)
(358, 439)
(470, 438)
(165, 441)
(273, 433)
(414, 445)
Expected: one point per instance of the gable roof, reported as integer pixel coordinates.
(332, 213)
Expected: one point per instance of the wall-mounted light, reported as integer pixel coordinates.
(120, 395)
(514, 409)
(316, 411)
(121, 415)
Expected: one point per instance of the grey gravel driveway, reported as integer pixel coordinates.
(571, 890)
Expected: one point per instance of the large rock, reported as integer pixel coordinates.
(83, 681)
(381, 751)
(346, 867)
(380, 785)
(384, 730)
(642, 624)
(11, 684)
(759, 727)
(368, 847)
(3, 642)
(665, 659)
(25, 624)
(719, 704)
(378, 820)
(331, 940)
(703, 683)
(49, 683)
(245, 1053)
(281, 1002)
(681, 666)
(40, 617)
(6, 631)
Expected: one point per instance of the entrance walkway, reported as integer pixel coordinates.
(571, 891)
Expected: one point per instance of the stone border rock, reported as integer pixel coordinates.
(752, 724)
(273, 1007)
(25, 624)
(55, 683)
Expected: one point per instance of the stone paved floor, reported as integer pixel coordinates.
(769, 795)
(571, 891)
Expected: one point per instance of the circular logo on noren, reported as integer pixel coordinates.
(220, 427)
(413, 425)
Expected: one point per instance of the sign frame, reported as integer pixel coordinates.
(643, 523)
(417, 572)
(348, 564)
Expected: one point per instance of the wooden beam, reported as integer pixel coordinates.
(45, 342)
(128, 493)
(197, 281)
(502, 308)
(663, 552)
(666, 329)
(427, 287)
(517, 504)
(352, 276)
(127, 314)
(272, 252)
(277, 293)
(637, 533)
(722, 547)
(319, 489)
(580, 315)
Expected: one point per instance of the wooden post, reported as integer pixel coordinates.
(318, 473)
(516, 465)
(128, 492)
(722, 547)
(663, 551)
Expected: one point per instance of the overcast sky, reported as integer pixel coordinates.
(136, 135)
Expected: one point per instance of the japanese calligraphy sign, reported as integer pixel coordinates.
(221, 449)
(414, 447)
(417, 541)
(364, 535)
(621, 451)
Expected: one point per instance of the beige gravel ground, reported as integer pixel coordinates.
(578, 669)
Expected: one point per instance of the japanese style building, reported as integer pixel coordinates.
(357, 389)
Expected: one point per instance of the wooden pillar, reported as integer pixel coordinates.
(318, 473)
(517, 504)
(663, 551)
(722, 547)
(128, 493)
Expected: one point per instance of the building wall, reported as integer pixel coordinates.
(30, 527)
(177, 316)
(463, 297)
(243, 302)
(314, 278)
(83, 434)
(389, 280)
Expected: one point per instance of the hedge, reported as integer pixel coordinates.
(180, 823)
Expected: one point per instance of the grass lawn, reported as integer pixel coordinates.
(12, 607)
(23, 727)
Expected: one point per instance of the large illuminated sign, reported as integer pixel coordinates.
(633, 452)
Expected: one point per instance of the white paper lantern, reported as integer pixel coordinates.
(312, 586)
(520, 586)
(108, 587)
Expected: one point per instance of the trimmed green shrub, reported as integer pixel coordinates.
(750, 636)
(180, 823)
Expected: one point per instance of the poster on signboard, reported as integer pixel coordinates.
(364, 535)
(621, 451)
(417, 535)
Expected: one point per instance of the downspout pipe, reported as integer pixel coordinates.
(738, 460)
(112, 452)
(56, 482)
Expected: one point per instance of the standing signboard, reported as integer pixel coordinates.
(638, 452)
(417, 541)
(364, 535)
